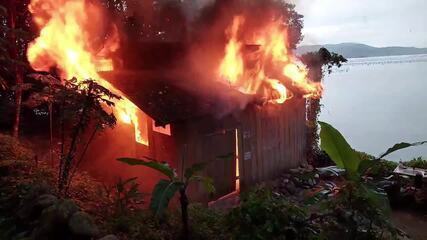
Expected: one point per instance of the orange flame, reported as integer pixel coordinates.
(273, 53)
(280, 89)
(66, 39)
(231, 67)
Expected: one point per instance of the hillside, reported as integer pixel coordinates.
(357, 50)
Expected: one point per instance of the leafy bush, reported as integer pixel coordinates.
(12, 150)
(365, 156)
(207, 223)
(143, 225)
(262, 215)
(166, 189)
(381, 169)
(356, 212)
(417, 163)
(122, 197)
(14, 156)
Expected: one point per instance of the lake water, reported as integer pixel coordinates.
(379, 101)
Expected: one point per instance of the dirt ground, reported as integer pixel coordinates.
(412, 223)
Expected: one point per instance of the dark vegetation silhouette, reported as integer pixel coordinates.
(33, 202)
(165, 189)
(81, 108)
(319, 63)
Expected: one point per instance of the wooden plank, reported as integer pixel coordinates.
(283, 137)
(240, 156)
(269, 138)
(282, 130)
(254, 148)
(248, 136)
(223, 171)
(244, 142)
(262, 158)
(278, 153)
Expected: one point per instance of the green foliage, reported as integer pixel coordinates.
(82, 106)
(292, 19)
(382, 168)
(262, 215)
(362, 209)
(418, 162)
(195, 168)
(331, 59)
(401, 145)
(356, 212)
(164, 190)
(13, 42)
(376, 168)
(160, 167)
(365, 156)
(207, 223)
(335, 145)
(322, 58)
(85, 104)
(123, 196)
(316, 62)
(142, 226)
(206, 182)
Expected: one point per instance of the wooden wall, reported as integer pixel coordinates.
(272, 139)
(206, 140)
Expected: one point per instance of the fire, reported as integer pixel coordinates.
(231, 67)
(66, 41)
(273, 67)
(281, 90)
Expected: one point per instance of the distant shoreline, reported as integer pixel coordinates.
(358, 50)
(400, 55)
(381, 60)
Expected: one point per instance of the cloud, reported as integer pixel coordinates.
(379, 23)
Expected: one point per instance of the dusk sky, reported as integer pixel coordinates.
(375, 22)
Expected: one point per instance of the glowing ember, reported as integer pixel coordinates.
(272, 56)
(68, 30)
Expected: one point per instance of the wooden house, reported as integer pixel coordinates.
(245, 143)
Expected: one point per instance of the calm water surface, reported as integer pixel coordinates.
(376, 102)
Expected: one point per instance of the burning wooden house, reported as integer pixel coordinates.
(240, 107)
(246, 138)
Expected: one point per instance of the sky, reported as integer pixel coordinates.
(378, 23)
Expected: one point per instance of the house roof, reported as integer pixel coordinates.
(150, 74)
(167, 100)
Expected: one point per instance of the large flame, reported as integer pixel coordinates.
(67, 33)
(231, 67)
(271, 64)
